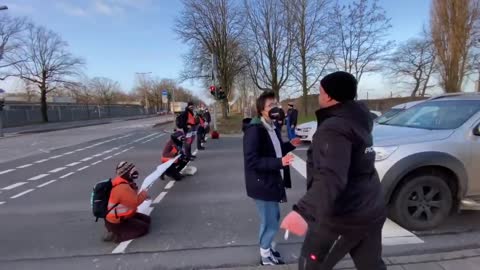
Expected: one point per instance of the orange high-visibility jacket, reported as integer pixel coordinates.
(127, 199)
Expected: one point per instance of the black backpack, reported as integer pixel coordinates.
(99, 199)
(180, 121)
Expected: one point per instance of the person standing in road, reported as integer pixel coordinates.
(291, 121)
(188, 123)
(343, 210)
(208, 120)
(267, 173)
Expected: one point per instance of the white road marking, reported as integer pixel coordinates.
(57, 156)
(12, 186)
(41, 160)
(159, 197)
(83, 168)
(116, 154)
(107, 151)
(40, 176)
(2, 203)
(73, 164)
(22, 193)
(24, 166)
(195, 152)
(170, 185)
(392, 234)
(57, 170)
(86, 159)
(97, 155)
(47, 183)
(7, 171)
(96, 162)
(66, 175)
(107, 157)
(121, 247)
(68, 153)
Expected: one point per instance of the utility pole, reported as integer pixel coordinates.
(216, 94)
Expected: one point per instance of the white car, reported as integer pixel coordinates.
(306, 130)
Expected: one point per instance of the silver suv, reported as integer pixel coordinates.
(428, 159)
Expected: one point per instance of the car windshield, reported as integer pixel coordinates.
(436, 115)
(388, 115)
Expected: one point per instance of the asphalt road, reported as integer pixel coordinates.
(204, 221)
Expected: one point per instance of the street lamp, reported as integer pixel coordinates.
(3, 7)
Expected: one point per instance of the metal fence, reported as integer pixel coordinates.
(20, 114)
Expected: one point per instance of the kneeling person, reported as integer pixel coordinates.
(122, 221)
(170, 151)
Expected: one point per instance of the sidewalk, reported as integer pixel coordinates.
(468, 259)
(55, 126)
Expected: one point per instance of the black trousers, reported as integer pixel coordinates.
(323, 249)
(175, 169)
(200, 136)
(130, 228)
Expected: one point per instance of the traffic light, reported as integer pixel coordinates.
(218, 93)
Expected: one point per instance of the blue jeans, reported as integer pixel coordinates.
(269, 213)
(290, 130)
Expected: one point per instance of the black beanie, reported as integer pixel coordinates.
(340, 85)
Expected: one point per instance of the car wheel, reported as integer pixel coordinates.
(422, 203)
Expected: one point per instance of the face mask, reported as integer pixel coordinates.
(134, 175)
(276, 113)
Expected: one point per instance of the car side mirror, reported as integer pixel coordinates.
(476, 130)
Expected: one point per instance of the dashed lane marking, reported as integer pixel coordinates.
(7, 171)
(73, 164)
(160, 197)
(22, 193)
(24, 166)
(66, 175)
(170, 185)
(40, 176)
(86, 159)
(12, 186)
(46, 183)
(41, 160)
(96, 162)
(83, 168)
(57, 170)
(2, 203)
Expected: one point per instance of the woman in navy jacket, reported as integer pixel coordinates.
(267, 171)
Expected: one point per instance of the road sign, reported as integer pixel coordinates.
(164, 96)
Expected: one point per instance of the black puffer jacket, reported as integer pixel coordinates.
(344, 191)
(262, 167)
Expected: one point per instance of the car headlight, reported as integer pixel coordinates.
(382, 153)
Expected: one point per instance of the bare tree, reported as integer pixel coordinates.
(360, 42)
(412, 64)
(454, 27)
(45, 62)
(212, 27)
(11, 33)
(107, 90)
(312, 54)
(269, 42)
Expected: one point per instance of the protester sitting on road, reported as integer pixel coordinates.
(171, 150)
(344, 209)
(122, 221)
(267, 173)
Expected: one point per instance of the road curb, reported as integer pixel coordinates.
(392, 261)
